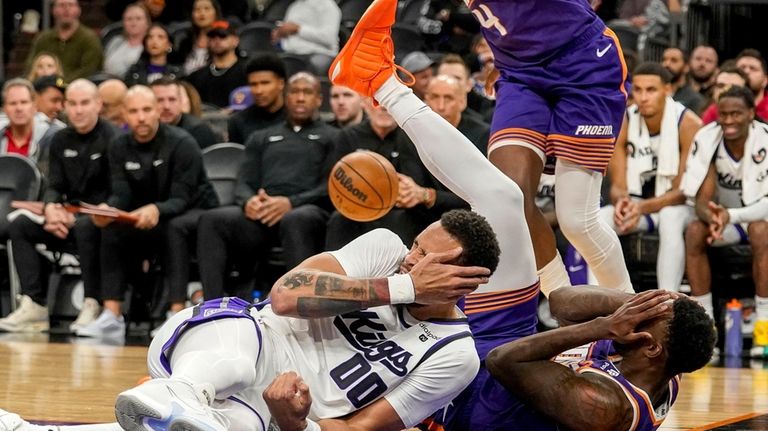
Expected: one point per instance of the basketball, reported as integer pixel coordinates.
(363, 186)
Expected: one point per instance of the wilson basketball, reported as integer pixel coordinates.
(363, 186)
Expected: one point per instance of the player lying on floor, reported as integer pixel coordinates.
(623, 369)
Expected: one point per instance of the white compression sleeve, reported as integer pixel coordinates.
(457, 163)
(755, 212)
(577, 202)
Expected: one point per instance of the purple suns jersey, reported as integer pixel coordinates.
(646, 416)
(530, 31)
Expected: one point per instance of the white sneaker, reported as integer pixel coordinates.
(168, 404)
(88, 314)
(13, 422)
(106, 326)
(168, 315)
(28, 317)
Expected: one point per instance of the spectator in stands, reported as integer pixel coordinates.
(421, 198)
(79, 171)
(76, 46)
(190, 100)
(125, 49)
(347, 107)
(447, 25)
(193, 47)
(728, 76)
(25, 129)
(44, 64)
(281, 193)
(647, 167)
(158, 9)
(446, 96)
(703, 69)
(226, 70)
(675, 60)
(155, 59)
(420, 66)
(478, 105)
(311, 28)
(49, 100)
(752, 63)
(724, 175)
(157, 174)
(266, 79)
(180, 10)
(168, 94)
(650, 17)
(112, 92)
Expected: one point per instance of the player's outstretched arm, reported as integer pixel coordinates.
(319, 286)
(577, 401)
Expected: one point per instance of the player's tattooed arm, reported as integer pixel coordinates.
(309, 293)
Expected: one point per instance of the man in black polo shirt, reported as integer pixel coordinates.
(266, 79)
(168, 94)
(157, 174)
(79, 171)
(282, 193)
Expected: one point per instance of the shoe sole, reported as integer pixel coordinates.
(130, 412)
(29, 328)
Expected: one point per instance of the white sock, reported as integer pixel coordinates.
(389, 95)
(761, 307)
(706, 302)
(553, 275)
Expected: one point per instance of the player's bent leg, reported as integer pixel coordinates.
(487, 189)
(524, 165)
(577, 203)
(697, 264)
(670, 263)
(202, 353)
(606, 216)
(366, 64)
(758, 239)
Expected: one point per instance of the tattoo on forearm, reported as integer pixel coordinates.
(296, 280)
(323, 307)
(335, 294)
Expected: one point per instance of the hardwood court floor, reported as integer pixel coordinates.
(78, 382)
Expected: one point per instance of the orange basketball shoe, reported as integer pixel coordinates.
(368, 59)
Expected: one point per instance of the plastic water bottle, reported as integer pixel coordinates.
(733, 338)
(255, 296)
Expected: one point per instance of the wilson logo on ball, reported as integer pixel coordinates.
(363, 186)
(347, 183)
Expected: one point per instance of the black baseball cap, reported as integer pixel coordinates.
(224, 28)
(50, 81)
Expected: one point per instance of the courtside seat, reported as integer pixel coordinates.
(20, 179)
(222, 163)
